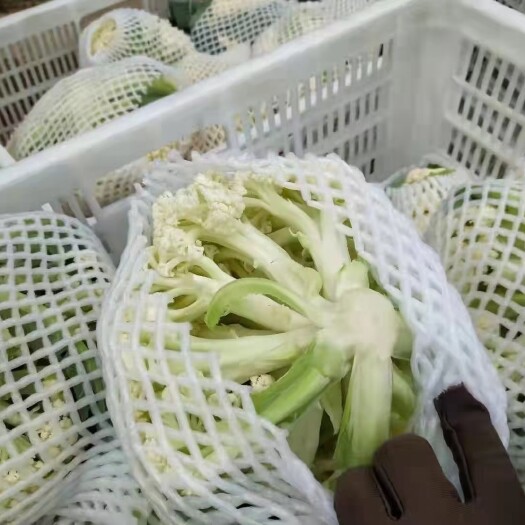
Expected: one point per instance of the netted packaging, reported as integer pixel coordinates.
(480, 235)
(418, 191)
(198, 449)
(106, 494)
(343, 8)
(297, 20)
(197, 67)
(227, 23)
(90, 98)
(200, 66)
(302, 18)
(53, 275)
(124, 33)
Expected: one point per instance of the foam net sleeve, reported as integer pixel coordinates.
(299, 19)
(480, 235)
(90, 98)
(53, 275)
(227, 23)
(420, 200)
(124, 33)
(107, 493)
(197, 447)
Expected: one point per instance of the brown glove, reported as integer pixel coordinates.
(406, 486)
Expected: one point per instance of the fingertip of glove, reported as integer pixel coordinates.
(350, 478)
(456, 402)
(405, 442)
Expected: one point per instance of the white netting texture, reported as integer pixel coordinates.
(238, 468)
(298, 20)
(342, 8)
(124, 33)
(480, 236)
(106, 494)
(419, 195)
(53, 275)
(200, 66)
(227, 23)
(90, 98)
(302, 18)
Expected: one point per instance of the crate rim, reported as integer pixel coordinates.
(207, 95)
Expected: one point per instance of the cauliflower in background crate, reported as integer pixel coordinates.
(124, 33)
(302, 18)
(479, 233)
(90, 98)
(297, 20)
(342, 8)
(200, 66)
(228, 23)
(418, 192)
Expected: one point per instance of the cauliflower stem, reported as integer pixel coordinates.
(275, 290)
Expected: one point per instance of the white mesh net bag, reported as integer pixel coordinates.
(200, 66)
(296, 21)
(227, 23)
(106, 493)
(342, 8)
(198, 449)
(90, 98)
(53, 274)
(124, 33)
(418, 191)
(480, 236)
(302, 18)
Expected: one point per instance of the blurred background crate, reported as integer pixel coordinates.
(39, 46)
(12, 6)
(516, 4)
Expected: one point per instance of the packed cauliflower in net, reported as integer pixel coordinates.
(274, 322)
(227, 23)
(124, 33)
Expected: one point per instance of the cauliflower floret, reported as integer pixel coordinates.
(175, 246)
(262, 382)
(211, 202)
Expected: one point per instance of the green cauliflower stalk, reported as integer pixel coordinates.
(275, 290)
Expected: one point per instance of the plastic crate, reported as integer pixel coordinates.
(396, 81)
(519, 5)
(39, 46)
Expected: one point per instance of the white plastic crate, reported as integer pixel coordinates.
(39, 46)
(397, 80)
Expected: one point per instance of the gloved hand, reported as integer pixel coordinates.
(406, 486)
